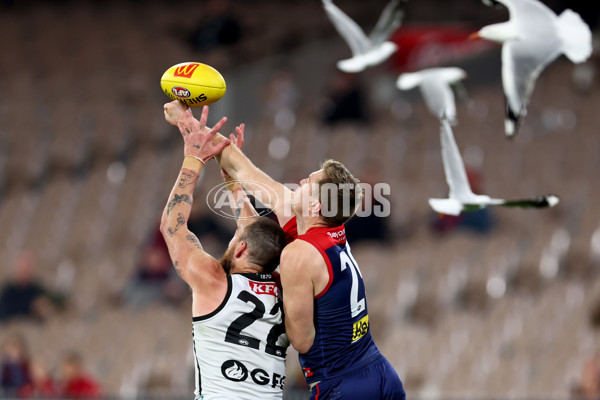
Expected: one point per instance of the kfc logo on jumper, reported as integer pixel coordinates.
(185, 71)
(181, 92)
(264, 288)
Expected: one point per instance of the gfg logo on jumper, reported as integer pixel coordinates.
(333, 199)
(236, 371)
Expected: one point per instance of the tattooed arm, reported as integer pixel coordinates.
(201, 271)
(275, 195)
(177, 112)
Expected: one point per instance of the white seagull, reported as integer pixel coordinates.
(366, 51)
(461, 196)
(533, 37)
(434, 84)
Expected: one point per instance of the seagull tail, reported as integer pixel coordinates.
(576, 36)
(446, 206)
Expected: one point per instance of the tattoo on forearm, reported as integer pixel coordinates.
(180, 221)
(176, 265)
(194, 240)
(176, 200)
(186, 179)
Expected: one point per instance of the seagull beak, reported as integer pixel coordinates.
(474, 36)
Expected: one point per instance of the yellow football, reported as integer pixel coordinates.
(194, 84)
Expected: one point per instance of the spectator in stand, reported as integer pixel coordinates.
(346, 101)
(24, 296)
(76, 382)
(218, 27)
(151, 278)
(15, 365)
(41, 384)
(154, 278)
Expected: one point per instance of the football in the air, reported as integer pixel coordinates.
(194, 84)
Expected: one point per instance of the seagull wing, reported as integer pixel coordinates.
(522, 63)
(456, 176)
(539, 43)
(389, 21)
(348, 29)
(530, 11)
(439, 97)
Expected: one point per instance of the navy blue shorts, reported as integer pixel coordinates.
(378, 381)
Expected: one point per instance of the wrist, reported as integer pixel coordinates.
(191, 151)
(193, 163)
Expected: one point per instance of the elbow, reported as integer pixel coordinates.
(163, 226)
(302, 344)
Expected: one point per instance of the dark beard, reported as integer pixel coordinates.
(225, 261)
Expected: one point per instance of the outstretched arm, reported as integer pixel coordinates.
(273, 194)
(184, 247)
(197, 268)
(241, 169)
(242, 209)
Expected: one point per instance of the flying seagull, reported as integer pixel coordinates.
(434, 84)
(371, 50)
(532, 38)
(461, 196)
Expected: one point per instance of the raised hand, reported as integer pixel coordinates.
(176, 112)
(198, 139)
(239, 140)
(236, 141)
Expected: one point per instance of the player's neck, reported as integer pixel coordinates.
(245, 268)
(304, 224)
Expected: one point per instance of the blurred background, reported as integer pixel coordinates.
(502, 303)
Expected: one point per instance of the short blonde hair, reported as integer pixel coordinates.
(348, 190)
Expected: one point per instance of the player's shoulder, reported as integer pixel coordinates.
(299, 250)
(204, 272)
(300, 258)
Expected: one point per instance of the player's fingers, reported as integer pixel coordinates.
(233, 138)
(221, 145)
(204, 117)
(240, 129)
(215, 129)
(240, 138)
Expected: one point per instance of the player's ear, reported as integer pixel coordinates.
(240, 248)
(314, 206)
